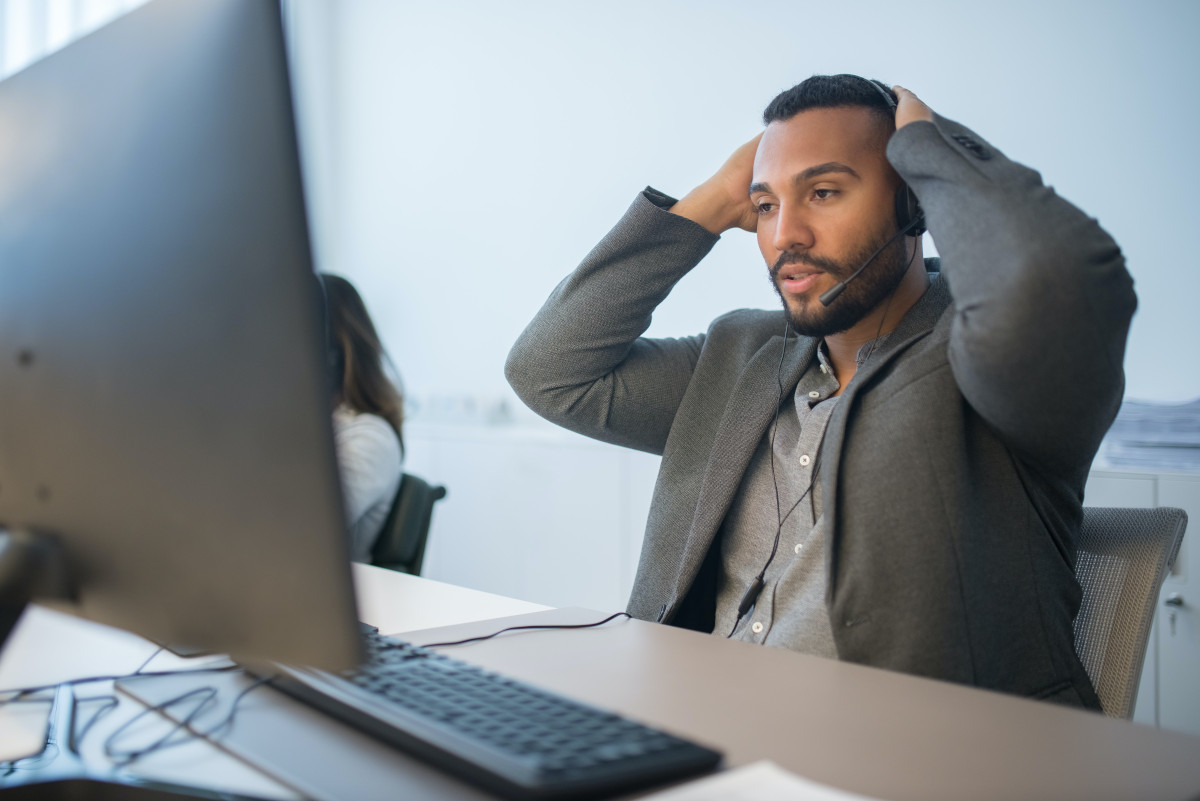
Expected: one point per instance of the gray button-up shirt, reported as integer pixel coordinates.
(790, 611)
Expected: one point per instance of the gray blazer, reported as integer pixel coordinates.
(954, 465)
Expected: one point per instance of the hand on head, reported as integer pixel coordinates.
(910, 108)
(723, 201)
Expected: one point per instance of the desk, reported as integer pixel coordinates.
(48, 647)
(874, 732)
(866, 730)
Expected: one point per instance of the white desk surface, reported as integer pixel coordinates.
(397, 602)
(48, 647)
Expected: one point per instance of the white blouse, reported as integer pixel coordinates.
(369, 460)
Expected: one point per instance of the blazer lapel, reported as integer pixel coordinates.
(919, 321)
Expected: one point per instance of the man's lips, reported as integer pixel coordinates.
(796, 279)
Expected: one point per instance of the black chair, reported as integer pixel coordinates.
(401, 543)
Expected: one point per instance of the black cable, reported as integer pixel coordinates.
(124, 758)
(750, 597)
(18, 695)
(787, 327)
(149, 659)
(163, 742)
(92, 679)
(110, 703)
(227, 722)
(529, 628)
(121, 759)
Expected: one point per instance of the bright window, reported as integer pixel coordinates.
(30, 29)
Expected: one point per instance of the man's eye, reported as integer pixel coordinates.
(824, 194)
(764, 208)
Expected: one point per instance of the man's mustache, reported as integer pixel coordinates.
(807, 259)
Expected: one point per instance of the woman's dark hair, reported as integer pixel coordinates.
(356, 356)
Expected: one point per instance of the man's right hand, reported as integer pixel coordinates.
(723, 201)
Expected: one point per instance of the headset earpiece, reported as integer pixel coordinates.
(910, 217)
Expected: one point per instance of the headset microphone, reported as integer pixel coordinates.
(831, 295)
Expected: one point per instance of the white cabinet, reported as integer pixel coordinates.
(1178, 628)
(1169, 694)
(533, 513)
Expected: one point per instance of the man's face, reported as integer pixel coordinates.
(825, 196)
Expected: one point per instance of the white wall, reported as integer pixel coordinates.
(465, 155)
(475, 151)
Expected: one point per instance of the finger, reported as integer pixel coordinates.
(910, 107)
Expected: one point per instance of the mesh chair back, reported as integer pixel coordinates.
(401, 543)
(1122, 557)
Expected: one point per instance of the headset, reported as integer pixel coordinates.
(910, 217)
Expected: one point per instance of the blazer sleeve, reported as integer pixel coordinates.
(1042, 299)
(583, 363)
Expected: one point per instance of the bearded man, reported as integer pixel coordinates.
(890, 470)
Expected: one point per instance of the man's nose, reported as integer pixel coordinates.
(792, 229)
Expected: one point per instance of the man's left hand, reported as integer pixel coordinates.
(910, 108)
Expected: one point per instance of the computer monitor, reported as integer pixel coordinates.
(164, 399)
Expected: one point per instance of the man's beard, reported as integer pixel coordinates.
(860, 297)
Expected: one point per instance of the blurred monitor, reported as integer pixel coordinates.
(164, 402)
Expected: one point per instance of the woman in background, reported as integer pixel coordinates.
(367, 417)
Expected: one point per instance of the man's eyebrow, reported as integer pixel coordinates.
(810, 173)
(823, 169)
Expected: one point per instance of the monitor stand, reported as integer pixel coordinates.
(33, 566)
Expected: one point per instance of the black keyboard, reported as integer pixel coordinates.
(506, 736)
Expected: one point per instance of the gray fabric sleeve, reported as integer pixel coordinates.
(1042, 299)
(582, 362)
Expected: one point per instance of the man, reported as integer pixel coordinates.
(893, 476)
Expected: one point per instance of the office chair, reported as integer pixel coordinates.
(1123, 555)
(401, 543)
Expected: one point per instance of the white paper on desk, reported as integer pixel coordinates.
(754, 783)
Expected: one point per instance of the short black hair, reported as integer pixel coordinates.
(829, 91)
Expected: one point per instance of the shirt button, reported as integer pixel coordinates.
(814, 394)
(804, 460)
(757, 627)
(798, 547)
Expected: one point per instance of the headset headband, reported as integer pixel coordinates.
(888, 97)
